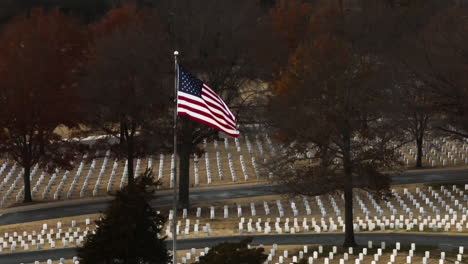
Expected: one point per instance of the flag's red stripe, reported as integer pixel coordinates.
(203, 105)
(210, 104)
(215, 116)
(213, 103)
(224, 116)
(207, 121)
(181, 105)
(196, 111)
(207, 91)
(208, 124)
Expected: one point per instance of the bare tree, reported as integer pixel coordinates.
(413, 106)
(437, 55)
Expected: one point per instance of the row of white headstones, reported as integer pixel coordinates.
(284, 256)
(423, 221)
(408, 222)
(378, 257)
(124, 177)
(60, 261)
(275, 255)
(457, 200)
(37, 240)
(283, 225)
(450, 149)
(439, 152)
(76, 235)
(455, 217)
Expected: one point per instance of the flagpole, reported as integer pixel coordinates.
(174, 216)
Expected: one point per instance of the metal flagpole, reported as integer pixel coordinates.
(174, 216)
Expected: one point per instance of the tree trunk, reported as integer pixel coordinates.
(130, 156)
(348, 193)
(184, 175)
(41, 144)
(130, 172)
(419, 145)
(349, 229)
(27, 184)
(122, 136)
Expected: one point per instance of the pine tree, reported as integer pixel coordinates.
(129, 230)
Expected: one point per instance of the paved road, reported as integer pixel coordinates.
(164, 200)
(432, 176)
(220, 193)
(445, 242)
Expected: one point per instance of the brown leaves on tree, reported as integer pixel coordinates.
(281, 30)
(40, 55)
(125, 85)
(290, 20)
(122, 18)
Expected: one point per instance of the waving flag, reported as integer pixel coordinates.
(196, 100)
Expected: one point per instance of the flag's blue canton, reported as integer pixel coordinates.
(189, 83)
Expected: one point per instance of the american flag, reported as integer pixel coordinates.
(196, 100)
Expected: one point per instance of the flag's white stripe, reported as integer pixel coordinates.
(225, 107)
(212, 93)
(225, 120)
(215, 110)
(215, 101)
(209, 120)
(193, 107)
(218, 109)
(187, 105)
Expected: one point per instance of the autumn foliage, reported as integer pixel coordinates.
(282, 30)
(122, 86)
(290, 20)
(121, 18)
(40, 55)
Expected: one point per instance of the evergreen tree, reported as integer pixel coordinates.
(129, 230)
